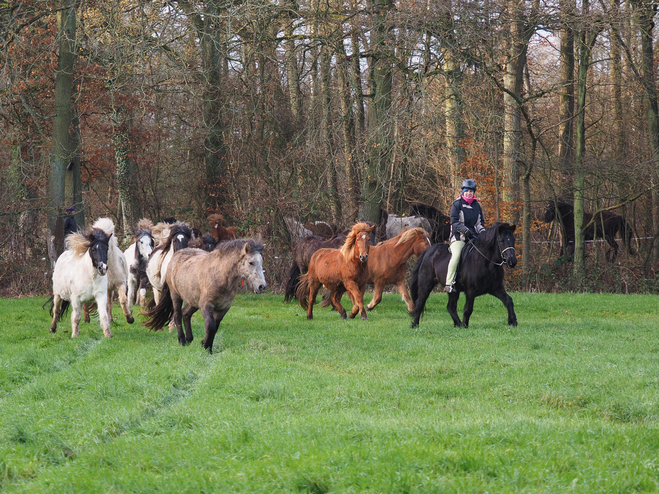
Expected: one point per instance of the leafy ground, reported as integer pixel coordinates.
(568, 400)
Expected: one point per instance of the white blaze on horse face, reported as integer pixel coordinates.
(252, 272)
(145, 246)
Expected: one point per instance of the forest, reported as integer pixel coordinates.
(335, 111)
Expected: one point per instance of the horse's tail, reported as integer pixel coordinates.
(327, 299)
(292, 283)
(414, 281)
(302, 292)
(64, 307)
(49, 301)
(162, 313)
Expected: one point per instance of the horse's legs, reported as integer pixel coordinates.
(85, 313)
(177, 306)
(612, 253)
(125, 306)
(75, 316)
(335, 299)
(402, 289)
(314, 286)
(468, 310)
(452, 308)
(425, 285)
(57, 308)
(507, 300)
(104, 319)
(131, 294)
(212, 319)
(377, 296)
(188, 311)
(357, 296)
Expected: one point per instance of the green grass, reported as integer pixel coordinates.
(567, 401)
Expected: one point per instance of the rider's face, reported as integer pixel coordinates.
(468, 194)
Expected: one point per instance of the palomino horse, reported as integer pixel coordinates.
(606, 225)
(480, 272)
(207, 281)
(302, 253)
(386, 265)
(178, 238)
(335, 267)
(137, 255)
(79, 277)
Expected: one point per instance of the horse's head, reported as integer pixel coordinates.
(98, 242)
(550, 212)
(357, 243)
(421, 241)
(144, 243)
(180, 235)
(506, 242)
(251, 266)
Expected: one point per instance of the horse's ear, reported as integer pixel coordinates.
(513, 228)
(247, 248)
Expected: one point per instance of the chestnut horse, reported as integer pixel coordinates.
(386, 266)
(335, 267)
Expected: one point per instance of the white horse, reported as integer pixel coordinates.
(79, 277)
(396, 224)
(137, 255)
(117, 272)
(179, 236)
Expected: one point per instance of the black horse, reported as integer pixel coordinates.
(440, 224)
(480, 272)
(606, 225)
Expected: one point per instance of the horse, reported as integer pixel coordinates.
(440, 224)
(207, 281)
(220, 232)
(396, 224)
(302, 253)
(179, 237)
(117, 273)
(480, 272)
(335, 267)
(606, 225)
(80, 276)
(386, 265)
(137, 255)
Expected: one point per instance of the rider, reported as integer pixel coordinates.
(466, 223)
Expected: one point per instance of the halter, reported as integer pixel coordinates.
(501, 251)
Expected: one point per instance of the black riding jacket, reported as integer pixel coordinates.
(465, 217)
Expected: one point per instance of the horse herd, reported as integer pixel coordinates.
(206, 272)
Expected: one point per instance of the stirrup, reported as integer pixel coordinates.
(449, 289)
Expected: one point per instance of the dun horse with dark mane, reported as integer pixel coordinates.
(335, 267)
(207, 281)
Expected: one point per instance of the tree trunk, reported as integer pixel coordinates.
(62, 151)
(453, 112)
(566, 108)
(379, 122)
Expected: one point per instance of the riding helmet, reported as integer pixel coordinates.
(469, 184)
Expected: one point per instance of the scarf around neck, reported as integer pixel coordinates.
(468, 201)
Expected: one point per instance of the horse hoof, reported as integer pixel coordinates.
(344, 316)
(53, 330)
(364, 318)
(130, 319)
(414, 325)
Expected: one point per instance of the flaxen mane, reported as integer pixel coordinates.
(411, 234)
(348, 248)
(80, 242)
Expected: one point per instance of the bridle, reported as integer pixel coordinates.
(502, 251)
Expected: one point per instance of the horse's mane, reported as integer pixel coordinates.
(348, 248)
(174, 229)
(489, 236)
(105, 224)
(79, 242)
(215, 219)
(230, 246)
(144, 224)
(409, 235)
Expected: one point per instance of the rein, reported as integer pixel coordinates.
(503, 260)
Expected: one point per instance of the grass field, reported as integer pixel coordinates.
(567, 401)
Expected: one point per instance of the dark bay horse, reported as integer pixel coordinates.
(606, 226)
(480, 272)
(302, 253)
(440, 224)
(387, 262)
(207, 282)
(333, 268)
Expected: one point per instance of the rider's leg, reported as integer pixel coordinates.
(455, 249)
